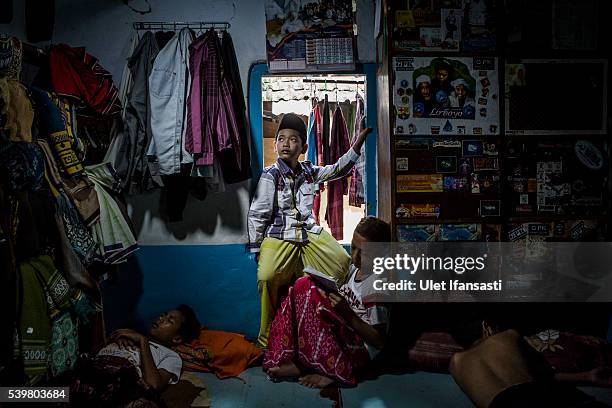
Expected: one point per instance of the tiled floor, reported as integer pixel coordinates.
(415, 390)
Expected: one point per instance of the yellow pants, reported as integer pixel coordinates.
(282, 262)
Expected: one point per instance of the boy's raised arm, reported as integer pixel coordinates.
(344, 165)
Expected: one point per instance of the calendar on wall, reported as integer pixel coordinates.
(310, 35)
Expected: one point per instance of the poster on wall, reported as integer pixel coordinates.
(572, 23)
(310, 35)
(444, 25)
(446, 96)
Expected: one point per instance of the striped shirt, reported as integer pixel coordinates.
(282, 206)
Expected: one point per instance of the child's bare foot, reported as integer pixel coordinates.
(284, 370)
(315, 381)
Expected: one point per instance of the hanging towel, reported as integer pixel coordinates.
(339, 145)
(316, 203)
(113, 234)
(311, 154)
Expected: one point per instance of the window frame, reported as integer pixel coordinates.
(255, 103)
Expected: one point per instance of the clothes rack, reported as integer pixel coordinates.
(174, 25)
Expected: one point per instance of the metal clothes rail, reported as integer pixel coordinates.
(174, 25)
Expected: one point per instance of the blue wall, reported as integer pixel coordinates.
(219, 281)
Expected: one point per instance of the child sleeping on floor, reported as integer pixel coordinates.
(133, 367)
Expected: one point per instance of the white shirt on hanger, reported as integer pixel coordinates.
(169, 83)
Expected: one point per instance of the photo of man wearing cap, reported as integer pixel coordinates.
(460, 97)
(423, 99)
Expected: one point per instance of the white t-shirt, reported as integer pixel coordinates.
(354, 292)
(163, 357)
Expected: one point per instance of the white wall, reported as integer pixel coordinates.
(104, 26)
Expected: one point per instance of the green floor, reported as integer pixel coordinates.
(416, 390)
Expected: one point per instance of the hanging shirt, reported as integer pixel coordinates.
(131, 160)
(339, 145)
(212, 127)
(235, 167)
(282, 206)
(356, 188)
(168, 85)
(325, 133)
(126, 73)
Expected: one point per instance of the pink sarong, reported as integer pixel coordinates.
(309, 333)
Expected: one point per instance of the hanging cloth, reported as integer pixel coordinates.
(235, 166)
(356, 188)
(126, 73)
(53, 128)
(112, 232)
(212, 129)
(205, 135)
(44, 293)
(80, 190)
(11, 56)
(133, 165)
(16, 108)
(339, 144)
(323, 152)
(325, 135)
(316, 203)
(311, 154)
(77, 74)
(168, 86)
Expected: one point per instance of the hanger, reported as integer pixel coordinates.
(337, 99)
(313, 97)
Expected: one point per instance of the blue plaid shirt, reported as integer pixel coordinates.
(282, 206)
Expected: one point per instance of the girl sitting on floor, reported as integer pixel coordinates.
(322, 338)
